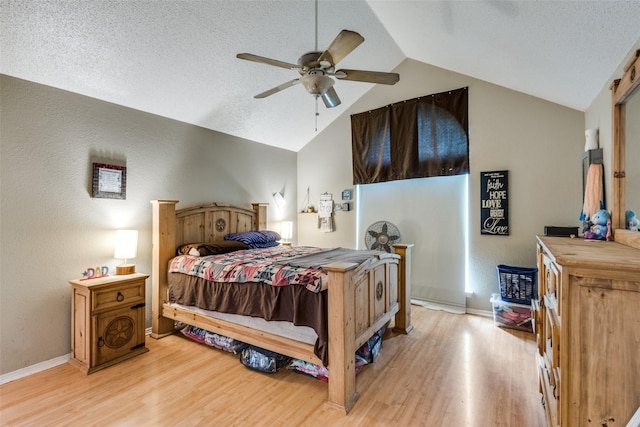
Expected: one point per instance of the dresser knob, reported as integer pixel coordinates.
(119, 297)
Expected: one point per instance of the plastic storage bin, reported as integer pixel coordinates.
(511, 315)
(517, 284)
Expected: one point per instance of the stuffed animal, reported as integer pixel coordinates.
(631, 221)
(599, 229)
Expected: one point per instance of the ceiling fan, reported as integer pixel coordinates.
(316, 69)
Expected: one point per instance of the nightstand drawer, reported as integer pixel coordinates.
(121, 295)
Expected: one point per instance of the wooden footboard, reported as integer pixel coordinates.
(362, 298)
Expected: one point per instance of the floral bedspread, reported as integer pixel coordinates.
(275, 266)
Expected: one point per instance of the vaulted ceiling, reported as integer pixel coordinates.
(177, 58)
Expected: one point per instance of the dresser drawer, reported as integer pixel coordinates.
(549, 397)
(552, 334)
(551, 277)
(121, 295)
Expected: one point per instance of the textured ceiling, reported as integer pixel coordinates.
(177, 58)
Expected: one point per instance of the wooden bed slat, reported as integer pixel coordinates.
(279, 344)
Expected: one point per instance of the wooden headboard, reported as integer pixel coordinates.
(198, 224)
(211, 222)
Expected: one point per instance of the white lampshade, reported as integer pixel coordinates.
(286, 230)
(126, 247)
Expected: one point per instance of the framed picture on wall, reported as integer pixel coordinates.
(346, 195)
(109, 181)
(494, 203)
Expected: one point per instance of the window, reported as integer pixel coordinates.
(417, 138)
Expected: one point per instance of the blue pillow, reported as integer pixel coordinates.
(256, 239)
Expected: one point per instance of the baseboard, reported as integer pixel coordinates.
(635, 420)
(450, 308)
(42, 366)
(33, 369)
(438, 306)
(477, 312)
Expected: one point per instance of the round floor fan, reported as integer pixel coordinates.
(381, 235)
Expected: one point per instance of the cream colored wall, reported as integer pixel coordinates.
(598, 116)
(539, 142)
(52, 229)
(325, 166)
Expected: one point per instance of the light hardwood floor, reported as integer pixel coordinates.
(452, 370)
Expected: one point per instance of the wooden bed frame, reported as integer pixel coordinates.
(361, 298)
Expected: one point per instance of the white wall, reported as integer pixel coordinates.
(52, 229)
(430, 213)
(539, 142)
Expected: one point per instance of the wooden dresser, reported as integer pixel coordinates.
(587, 322)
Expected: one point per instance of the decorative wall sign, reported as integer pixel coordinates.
(109, 181)
(494, 203)
(95, 273)
(325, 213)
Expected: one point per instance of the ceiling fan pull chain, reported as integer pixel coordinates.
(317, 114)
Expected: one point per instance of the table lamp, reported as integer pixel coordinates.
(286, 232)
(126, 247)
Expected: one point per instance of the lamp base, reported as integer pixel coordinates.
(125, 269)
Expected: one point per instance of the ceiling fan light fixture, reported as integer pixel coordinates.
(316, 83)
(316, 68)
(330, 98)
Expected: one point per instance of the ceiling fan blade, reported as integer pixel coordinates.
(330, 98)
(341, 46)
(268, 61)
(368, 76)
(277, 89)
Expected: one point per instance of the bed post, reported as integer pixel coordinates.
(163, 249)
(342, 336)
(403, 316)
(260, 218)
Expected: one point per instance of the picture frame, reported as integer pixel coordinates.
(109, 181)
(494, 203)
(346, 195)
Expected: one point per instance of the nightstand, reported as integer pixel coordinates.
(107, 320)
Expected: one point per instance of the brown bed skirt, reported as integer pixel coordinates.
(293, 303)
